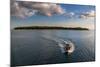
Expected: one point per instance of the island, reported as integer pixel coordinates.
(49, 27)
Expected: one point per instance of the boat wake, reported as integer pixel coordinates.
(66, 46)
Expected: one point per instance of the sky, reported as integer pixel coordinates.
(51, 14)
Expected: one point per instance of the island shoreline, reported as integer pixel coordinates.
(49, 28)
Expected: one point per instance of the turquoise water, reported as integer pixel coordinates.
(35, 47)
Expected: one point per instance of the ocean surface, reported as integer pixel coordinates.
(36, 47)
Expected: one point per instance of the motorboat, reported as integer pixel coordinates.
(67, 47)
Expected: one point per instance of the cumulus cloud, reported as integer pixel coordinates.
(69, 13)
(24, 9)
(88, 14)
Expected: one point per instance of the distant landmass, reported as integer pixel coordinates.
(49, 27)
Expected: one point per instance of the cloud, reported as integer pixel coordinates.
(24, 9)
(88, 14)
(69, 14)
(85, 15)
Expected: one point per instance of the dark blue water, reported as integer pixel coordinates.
(35, 47)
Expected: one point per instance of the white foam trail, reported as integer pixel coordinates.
(61, 43)
(61, 47)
